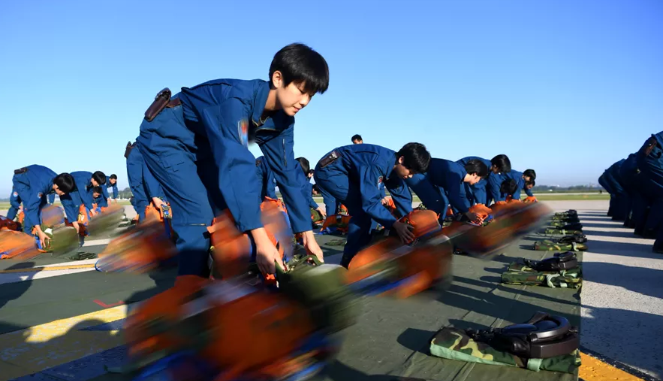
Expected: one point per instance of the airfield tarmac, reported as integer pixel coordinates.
(621, 314)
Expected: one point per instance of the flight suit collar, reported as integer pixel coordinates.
(259, 101)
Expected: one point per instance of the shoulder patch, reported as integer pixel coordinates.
(380, 179)
(40, 195)
(243, 132)
(15, 194)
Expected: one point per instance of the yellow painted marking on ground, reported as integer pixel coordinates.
(48, 345)
(593, 369)
(49, 268)
(44, 332)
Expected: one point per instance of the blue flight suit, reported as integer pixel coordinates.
(444, 177)
(604, 183)
(114, 186)
(651, 182)
(141, 181)
(266, 178)
(33, 187)
(354, 180)
(198, 152)
(636, 206)
(620, 204)
(495, 182)
(479, 191)
(81, 195)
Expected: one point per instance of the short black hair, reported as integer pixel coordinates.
(476, 166)
(356, 137)
(530, 173)
(316, 188)
(306, 166)
(113, 177)
(65, 182)
(509, 187)
(97, 190)
(502, 163)
(299, 63)
(99, 177)
(415, 157)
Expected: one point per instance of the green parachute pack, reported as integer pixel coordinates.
(455, 344)
(316, 216)
(550, 245)
(562, 270)
(556, 231)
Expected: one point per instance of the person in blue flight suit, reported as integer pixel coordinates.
(34, 184)
(196, 146)
(352, 175)
(620, 207)
(97, 198)
(144, 187)
(497, 180)
(481, 192)
(445, 180)
(650, 163)
(81, 195)
(356, 139)
(510, 188)
(307, 189)
(112, 183)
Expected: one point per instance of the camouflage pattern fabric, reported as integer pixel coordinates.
(454, 344)
(548, 245)
(566, 218)
(561, 231)
(571, 278)
(525, 267)
(568, 213)
(566, 225)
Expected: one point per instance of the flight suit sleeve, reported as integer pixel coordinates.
(528, 192)
(428, 193)
(104, 191)
(371, 202)
(236, 165)
(15, 199)
(31, 200)
(115, 191)
(400, 193)
(456, 193)
(51, 198)
(279, 151)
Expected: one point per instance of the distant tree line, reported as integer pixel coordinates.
(574, 188)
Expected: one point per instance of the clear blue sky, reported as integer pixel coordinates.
(565, 87)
